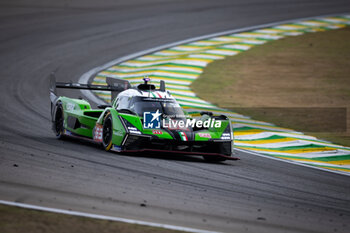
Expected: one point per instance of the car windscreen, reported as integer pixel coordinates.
(168, 107)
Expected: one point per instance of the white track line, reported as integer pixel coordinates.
(103, 217)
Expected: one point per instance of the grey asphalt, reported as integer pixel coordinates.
(251, 195)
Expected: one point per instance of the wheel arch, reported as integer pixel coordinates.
(117, 125)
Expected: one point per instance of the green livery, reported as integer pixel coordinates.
(140, 119)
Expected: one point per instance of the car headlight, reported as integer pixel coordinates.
(129, 127)
(227, 134)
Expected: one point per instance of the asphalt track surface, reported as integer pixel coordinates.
(254, 194)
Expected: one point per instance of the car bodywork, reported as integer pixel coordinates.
(120, 126)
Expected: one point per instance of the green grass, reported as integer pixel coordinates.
(307, 72)
(19, 220)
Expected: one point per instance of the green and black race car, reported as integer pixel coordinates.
(140, 119)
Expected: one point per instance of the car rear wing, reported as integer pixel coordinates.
(114, 85)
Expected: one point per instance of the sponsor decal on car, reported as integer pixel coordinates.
(97, 133)
(157, 131)
(183, 136)
(204, 135)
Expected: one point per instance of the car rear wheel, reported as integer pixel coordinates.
(107, 132)
(59, 120)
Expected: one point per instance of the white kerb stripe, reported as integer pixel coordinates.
(103, 217)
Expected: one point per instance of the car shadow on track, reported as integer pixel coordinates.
(154, 155)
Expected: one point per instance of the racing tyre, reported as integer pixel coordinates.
(59, 120)
(107, 132)
(213, 159)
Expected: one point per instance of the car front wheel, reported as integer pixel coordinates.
(107, 132)
(59, 120)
